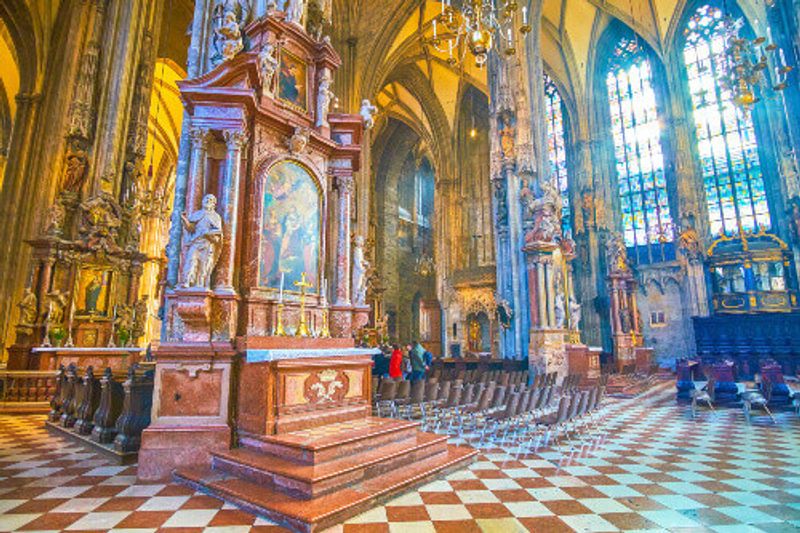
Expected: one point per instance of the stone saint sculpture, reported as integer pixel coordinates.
(360, 270)
(267, 67)
(324, 97)
(28, 308)
(574, 313)
(295, 10)
(202, 244)
(227, 35)
(368, 114)
(560, 310)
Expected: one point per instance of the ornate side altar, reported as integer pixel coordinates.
(83, 289)
(626, 323)
(260, 396)
(554, 313)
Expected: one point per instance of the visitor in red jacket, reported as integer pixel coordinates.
(396, 363)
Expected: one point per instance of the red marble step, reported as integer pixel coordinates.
(327, 510)
(306, 481)
(327, 443)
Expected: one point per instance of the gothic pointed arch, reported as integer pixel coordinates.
(632, 105)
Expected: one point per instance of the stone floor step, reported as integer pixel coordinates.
(320, 512)
(314, 480)
(327, 443)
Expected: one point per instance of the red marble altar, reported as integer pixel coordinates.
(278, 424)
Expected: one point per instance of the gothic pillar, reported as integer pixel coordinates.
(125, 36)
(235, 141)
(14, 207)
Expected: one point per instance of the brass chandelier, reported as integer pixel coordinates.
(472, 28)
(755, 68)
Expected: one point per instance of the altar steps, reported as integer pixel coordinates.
(314, 479)
(332, 441)
(308, 481)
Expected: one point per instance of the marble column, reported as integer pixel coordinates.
(344, 317)
(344, 186)
(235, 141)
(195, 189)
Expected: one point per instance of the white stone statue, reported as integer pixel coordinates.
(574, 313)
(324, 97)
(295, 10)
(360, 271)
(267, 67)
(368, 114)
(202, 244)
(560, 310)
(227, 35)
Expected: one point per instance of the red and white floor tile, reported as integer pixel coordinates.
(655, 469)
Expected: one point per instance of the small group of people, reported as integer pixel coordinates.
(411, 363)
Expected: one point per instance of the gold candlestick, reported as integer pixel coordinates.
(325, 331)
(279, 331)
(302, 328)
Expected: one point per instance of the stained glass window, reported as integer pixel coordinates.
(557, 149)
(726, 140)
(636, 133)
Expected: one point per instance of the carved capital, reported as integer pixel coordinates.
(199, 137)
(345, 184)
(235, 139)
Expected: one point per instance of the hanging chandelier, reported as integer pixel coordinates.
(755, 68)
(424, 266)
(472, 28)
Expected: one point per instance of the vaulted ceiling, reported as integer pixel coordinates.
(389, 35)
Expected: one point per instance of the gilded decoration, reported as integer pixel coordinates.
(326, 386)
(92, 292)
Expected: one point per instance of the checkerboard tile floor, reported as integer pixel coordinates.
(655, 469)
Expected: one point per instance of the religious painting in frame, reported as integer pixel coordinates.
(290, 227)
(92, 292)
(292, 81)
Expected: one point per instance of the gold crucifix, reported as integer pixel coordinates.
(302, 328)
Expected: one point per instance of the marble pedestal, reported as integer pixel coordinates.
(584, 362)
(191, 402)
(547, 352)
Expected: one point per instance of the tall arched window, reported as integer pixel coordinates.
(557, 149)
(636, 132)
(726, 140)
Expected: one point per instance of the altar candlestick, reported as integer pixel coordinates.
(70, 343)
(283, 276)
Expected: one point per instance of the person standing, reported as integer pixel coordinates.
(380, 361)
(396, 363)
(417, 362)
